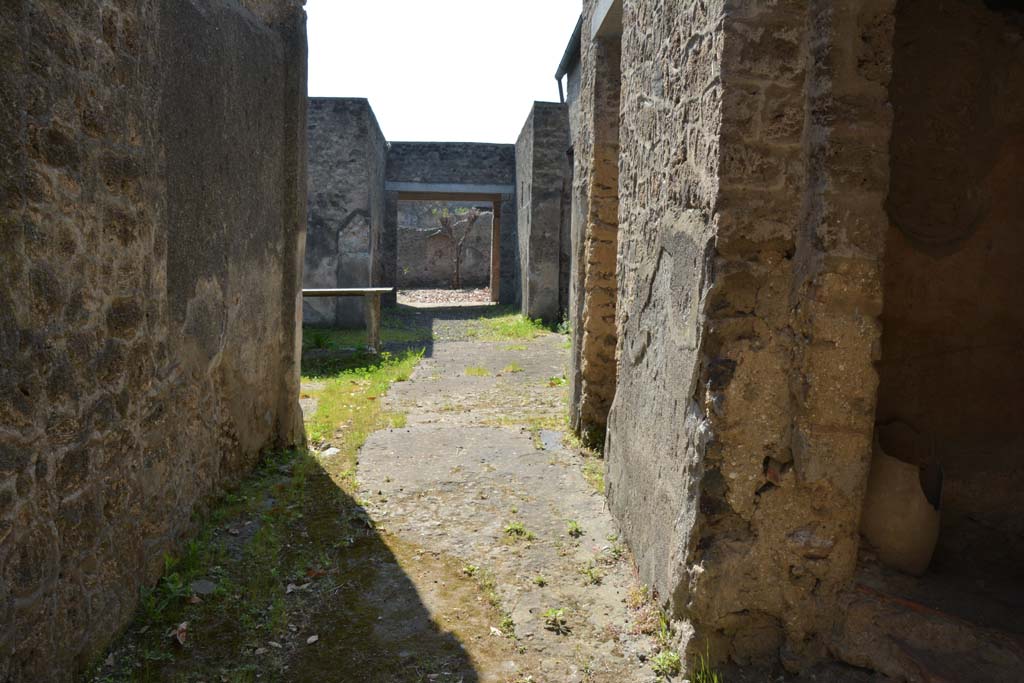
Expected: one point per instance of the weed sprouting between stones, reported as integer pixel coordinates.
(592, 574)
(702, 671)
(666, 663)
(506, 327)
(555, 621)
(517, 530)
(574, 529)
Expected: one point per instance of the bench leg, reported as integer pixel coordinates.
(373, 322)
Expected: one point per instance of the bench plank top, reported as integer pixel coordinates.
(353, 291)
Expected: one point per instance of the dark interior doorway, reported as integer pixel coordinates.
(953, 326)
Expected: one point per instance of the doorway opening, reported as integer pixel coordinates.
(952, 368)
(448, 249)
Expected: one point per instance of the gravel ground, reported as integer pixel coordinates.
(445, 297)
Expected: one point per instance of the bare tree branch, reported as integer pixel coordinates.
(457, 231)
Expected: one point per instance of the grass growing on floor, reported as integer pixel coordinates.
(233, 603)
(247, 550)
(348, 398)
(593, 472)
(393, 329)
(703, 672)
(477, 371)
(505, 325)
(593, 461)
(666, 663)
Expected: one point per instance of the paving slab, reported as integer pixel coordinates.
(482, 454)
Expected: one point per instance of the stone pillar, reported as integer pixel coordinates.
(496, 251)
(389, 248)
(290, 429)
(507, 210)
(540, 168)
(371, 302)
(750, 223)
(597, 328)
(346, 196)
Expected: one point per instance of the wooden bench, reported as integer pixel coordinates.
(372, 297)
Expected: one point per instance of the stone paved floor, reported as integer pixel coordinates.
(413, 576)
(479, 453)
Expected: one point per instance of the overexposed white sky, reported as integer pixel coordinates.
(444, 70)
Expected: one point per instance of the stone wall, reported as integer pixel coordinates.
(751, 164)
(508, 286)
(346, 207)
(356, 180)
(578, 198)
(472, 163)
(658, 429)
(427, 260)
(540, 173)
(377, 156)
(149, 305)
(811, 262)
(594, 229)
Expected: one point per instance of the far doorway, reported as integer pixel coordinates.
(448, 249)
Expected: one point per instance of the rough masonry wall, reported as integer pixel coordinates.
(524, 190)
(565, 220)
(451, 162)
(388, 256)
(594, 230)
(508, 253)
(657, 428)
(834, 303)
(346, 207)
(540, 171)
(953, 325)
(426, 259)
(751, 188)
(377, 159)
(579, 135)
(148, 306)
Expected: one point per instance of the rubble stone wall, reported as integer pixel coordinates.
(475, 163)
(377, 156)
(658, 430)
(524, 190)
(540, 170)
(151, 228)
(346, 207)
(806, 380)
(579, 136)
(594, 229)
(752, 171)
